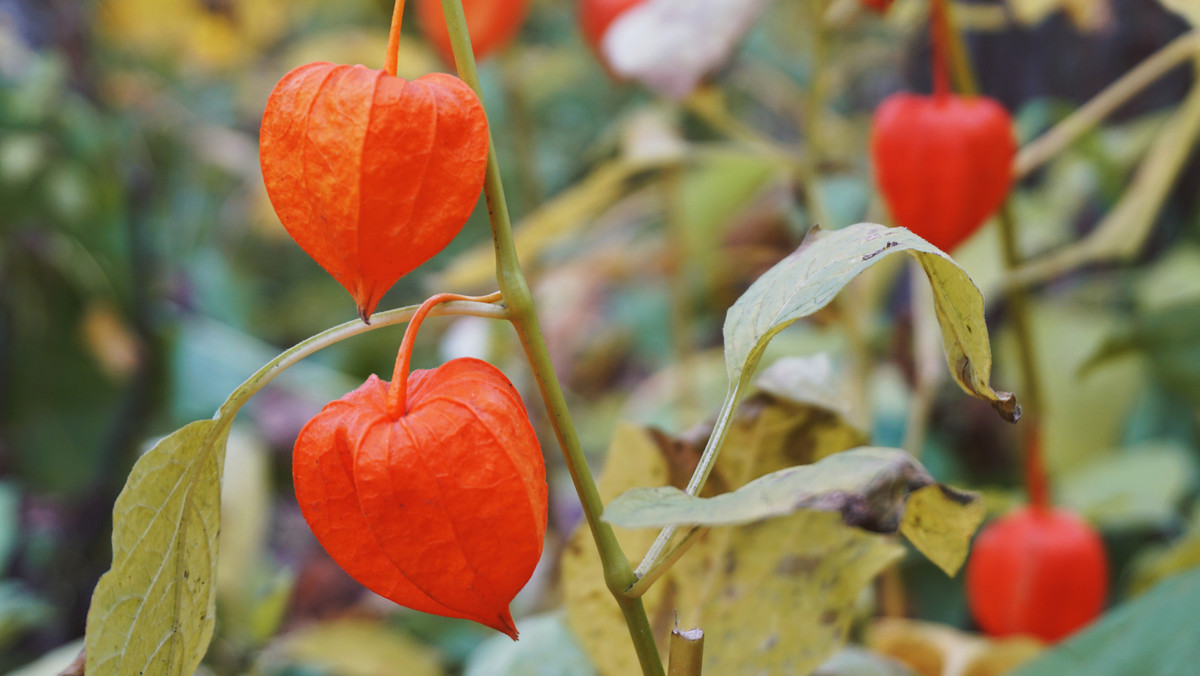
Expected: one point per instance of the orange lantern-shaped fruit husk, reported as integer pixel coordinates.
(492, 24)
(439, 504)
(371, 174)
(944, 163)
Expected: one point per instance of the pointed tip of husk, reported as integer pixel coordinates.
(364, 314)
(504, 624)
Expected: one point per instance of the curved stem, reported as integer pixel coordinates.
(322, 340)
(393, 43)
(397, 400)
(618, 575)
(1046, 146)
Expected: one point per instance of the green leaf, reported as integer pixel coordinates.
(1141, 486)
(1153, 635)
(153, 612)
(825, 262)
(869, 487)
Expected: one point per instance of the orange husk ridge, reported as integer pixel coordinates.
(430, 491)
(370, 174)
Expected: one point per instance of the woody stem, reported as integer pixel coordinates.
(397, 401)
(393, 44)
(618, 574)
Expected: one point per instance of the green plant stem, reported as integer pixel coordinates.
(618, 575)
(664, 563)
(703, 468)
(1017, 298)
(1049, 144)
(322, 340)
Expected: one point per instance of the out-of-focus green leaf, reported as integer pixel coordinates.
(1152, 635)
(10, 520)
(1152, 566)
(809, 278)
(1168, 336)
(20, 611)
(547, 648)
(1085, 411)
(1139, 486)
(154, 611)
(353, 648)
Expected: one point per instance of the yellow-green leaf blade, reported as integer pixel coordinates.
(809, 278)
(153, 612)
(940, 522)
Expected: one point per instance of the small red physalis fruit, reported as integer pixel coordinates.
(430, 490)
(371, 174)
(492, 24)
(595, 16)
(943, 162)
(1037, 571)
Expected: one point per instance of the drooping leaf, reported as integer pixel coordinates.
(1153, 635)
(809, 278)
(869, 487)
(153, 612)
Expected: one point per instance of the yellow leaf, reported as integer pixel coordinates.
(777, 596)
(354, 648)
(940, 524)
(592, 613)
(1188, 9)
(152, 613)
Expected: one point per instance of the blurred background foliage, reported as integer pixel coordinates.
(143, 275)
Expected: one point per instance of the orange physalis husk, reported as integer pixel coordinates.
(371, 174)
(430, 491)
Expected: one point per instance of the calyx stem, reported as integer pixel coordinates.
(397, 401)
(393, 44)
